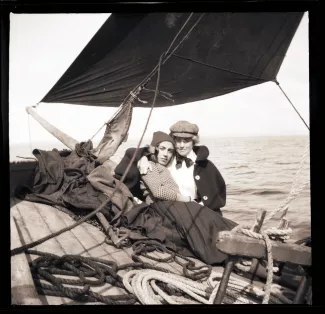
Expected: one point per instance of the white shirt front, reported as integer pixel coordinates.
(184, 176)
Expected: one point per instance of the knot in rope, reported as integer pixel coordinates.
(278, 234)
(243, 264)
(263, 235)
(135, 96)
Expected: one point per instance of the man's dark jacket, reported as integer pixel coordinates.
(211, 187)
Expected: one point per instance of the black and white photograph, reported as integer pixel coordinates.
(160, 158)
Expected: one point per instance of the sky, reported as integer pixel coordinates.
(42, 47)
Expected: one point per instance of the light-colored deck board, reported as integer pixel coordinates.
(36, 220)
(91, 237)
(69, 243)
(22, 286)
(78, 242)
(32, 222)
(33, 229)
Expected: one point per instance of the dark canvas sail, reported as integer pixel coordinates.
(224, 53)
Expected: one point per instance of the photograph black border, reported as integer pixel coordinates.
(316, 139)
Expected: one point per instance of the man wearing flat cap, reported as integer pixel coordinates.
(196, 176)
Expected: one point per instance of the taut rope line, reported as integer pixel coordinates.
(294, 190)
(104, 204)
(302, 119)
(133, 94)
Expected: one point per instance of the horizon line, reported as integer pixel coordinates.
(201, 137)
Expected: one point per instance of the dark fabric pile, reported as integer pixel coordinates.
(70, 179)
(61, 179)
(187, 228)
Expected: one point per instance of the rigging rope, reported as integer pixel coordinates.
(147, 283)
(294, 192)
(281, 233)
(153, 72)
(163, 58)
(263, 236)
(30, 136)
(277, 83)
(104, 204)
(133, 93)
(29, 133)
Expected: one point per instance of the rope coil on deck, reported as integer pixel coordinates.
(144, 284)
(46, 266)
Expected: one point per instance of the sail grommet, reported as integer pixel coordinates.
(197, 177)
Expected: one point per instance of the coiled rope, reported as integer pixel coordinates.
(144, 284)
(163, 58)
(46, 266)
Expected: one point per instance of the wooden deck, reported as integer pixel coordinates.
(32, 221)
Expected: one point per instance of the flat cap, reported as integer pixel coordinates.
(184, 129)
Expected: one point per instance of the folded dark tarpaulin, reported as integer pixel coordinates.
(62, 180)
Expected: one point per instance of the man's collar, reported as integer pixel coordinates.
(192, 156)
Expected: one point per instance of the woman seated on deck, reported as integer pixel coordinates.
(184, 226)
(158, 184)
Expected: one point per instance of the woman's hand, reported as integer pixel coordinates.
(183, 198)
(144, 165)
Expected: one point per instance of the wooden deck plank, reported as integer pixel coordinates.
(54, 248)
(68, 241)
(22, 285)
(38, 220)
(31, 221)
(91, 237)
(86, 233)
(59, 245)
(29, 232)
(84, 244)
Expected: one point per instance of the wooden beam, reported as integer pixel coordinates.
(241, 245)
(231, 262)
(64, 138)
